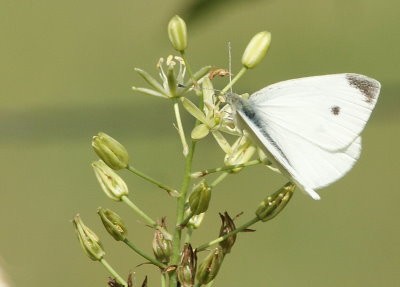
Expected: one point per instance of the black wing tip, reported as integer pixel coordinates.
(369, 87)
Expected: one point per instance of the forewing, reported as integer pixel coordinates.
(329, 111)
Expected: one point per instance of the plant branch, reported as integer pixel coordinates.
(220, 178)
(222, 238)
(235, 79)
(113, 272)
(225, 168)
(144, 255)
(170, 190)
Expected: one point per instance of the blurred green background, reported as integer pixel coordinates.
(66, 71)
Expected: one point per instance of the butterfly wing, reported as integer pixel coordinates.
(330, 111)
(310, 127)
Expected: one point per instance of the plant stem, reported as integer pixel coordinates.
(163, 279)
(113, 272)
(139, 212)
(183, 55)
(235, 79)
(180, 210)
(146, 218)
(186, 220)
(170, 190)
(188, 234)
(222, 238)
(220, 178)
(144, 255)
(225, 168)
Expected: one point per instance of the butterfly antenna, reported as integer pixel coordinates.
(230, 63)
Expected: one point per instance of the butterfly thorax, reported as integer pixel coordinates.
(237, 103)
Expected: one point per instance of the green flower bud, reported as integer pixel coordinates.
(111, 183)
(162, 247)
(227, 226)
(110, 151)
(177, 33)
(272, 205)
(256, 49)
(186, 270)
(210, 266)
(89, 241)
(200, 198)
(113, 223)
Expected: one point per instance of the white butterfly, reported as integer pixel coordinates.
(310, 127)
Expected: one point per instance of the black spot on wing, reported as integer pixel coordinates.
(368, 87)
(335, 110)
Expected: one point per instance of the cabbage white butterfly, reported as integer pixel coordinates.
(310, 127)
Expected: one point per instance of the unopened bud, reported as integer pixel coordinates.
(177, 33)
(227, 226)
(256, 49)
(209, 268)
(113, 223)
(90, 242)
(162, 247)
(200, 198)
(110, 151)
(111, 183)
(272, 205)
(186, 270)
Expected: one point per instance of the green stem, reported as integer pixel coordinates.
(222, 238)
(197, 285)
(183, 55)
(186, 220)
(170, 190)
(220, 178)
(144, 255)
(235, 79)
(188, 235)
(146, 218)
(225, 168)
(139, 212)
(180, 210)
(163, 279)
(113, 272)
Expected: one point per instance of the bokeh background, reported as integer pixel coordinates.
(66, 68)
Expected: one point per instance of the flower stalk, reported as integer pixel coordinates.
(212, 113)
